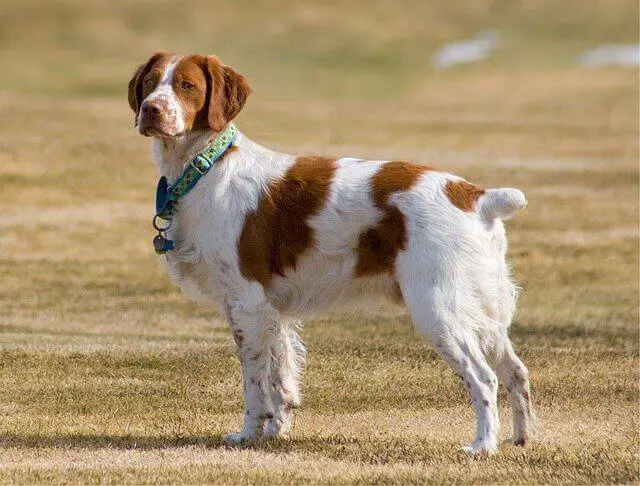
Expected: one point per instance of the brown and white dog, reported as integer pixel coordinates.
(270, 237)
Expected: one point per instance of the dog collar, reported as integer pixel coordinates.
(168, 197)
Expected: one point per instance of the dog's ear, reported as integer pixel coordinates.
(135, 84)
(227, 92)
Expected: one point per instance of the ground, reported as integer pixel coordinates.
(109, 374)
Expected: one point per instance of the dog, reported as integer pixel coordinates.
(270, 237)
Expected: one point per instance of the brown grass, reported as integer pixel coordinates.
(108, 373)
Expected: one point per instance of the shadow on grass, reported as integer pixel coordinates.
(213, 332)
(148, 442)
(101, 441)
(369, 450)
(574, 334)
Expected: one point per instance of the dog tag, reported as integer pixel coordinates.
(162, 245)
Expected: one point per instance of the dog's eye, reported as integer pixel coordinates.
(186, 85)
(148, 83)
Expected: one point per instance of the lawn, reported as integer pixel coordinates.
(110, 375)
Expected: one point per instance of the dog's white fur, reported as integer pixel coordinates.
(453, 275)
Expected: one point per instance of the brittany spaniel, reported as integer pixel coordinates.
(270, 237)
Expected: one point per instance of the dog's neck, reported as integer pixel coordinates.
(173, 154)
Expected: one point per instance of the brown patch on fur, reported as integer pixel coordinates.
(192, 89)
(227, 91)
(277, 233)
(157, 62)
(378, 246)
(211, 93)
(463, 194)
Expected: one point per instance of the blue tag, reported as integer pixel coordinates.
(162, 192)
(162, 245)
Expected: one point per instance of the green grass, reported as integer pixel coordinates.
(110, 375)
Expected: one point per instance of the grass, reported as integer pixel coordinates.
(109, 375)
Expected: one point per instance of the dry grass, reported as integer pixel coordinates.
(108, 374)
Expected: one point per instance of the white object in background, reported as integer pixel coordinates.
(625, 55)
(467, 51)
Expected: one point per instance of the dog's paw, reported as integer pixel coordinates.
(237, 438)
(272, 429)
(276, 427)
(518, 441)
(481, 446)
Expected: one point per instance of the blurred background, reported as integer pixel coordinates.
(358, 72)
(109, 373)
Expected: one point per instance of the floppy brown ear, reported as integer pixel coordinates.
(228, 93)
(135, 84)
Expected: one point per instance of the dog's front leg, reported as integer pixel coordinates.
(285, 376)
(255, 326)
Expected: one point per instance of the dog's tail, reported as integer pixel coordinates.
(501, 203)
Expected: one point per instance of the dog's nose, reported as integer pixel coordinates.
(151, 109)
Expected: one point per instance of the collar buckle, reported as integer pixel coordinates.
(193, 164)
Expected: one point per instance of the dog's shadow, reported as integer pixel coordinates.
(370, 450)
(147, 443)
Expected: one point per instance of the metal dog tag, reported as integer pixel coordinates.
(162, 245)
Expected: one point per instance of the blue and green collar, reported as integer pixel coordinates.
(168, 197)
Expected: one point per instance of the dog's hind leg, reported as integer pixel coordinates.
(285, 378)
(515, 376)
(511, 371)
(436, 315)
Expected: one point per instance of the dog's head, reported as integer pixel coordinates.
(172, 95)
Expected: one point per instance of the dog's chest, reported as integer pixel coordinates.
(205, 255)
